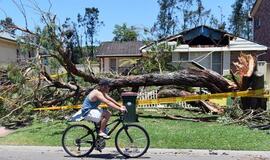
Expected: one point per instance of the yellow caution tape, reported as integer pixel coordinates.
(52, 76)
(58, 108)
(65, 107)
(5, 99)
(249, 93)
(58, 75)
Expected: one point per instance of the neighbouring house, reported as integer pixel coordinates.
(260, 14)
(10, 52)
(211, 48)
(118, 56)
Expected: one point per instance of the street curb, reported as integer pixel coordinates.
(150, 151)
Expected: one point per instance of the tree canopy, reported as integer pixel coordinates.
(178, 15)
(240, 23)
(166, 19)
(90, 22)
(6, 24)
(125, 33)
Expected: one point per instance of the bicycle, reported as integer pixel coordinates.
(131, 140)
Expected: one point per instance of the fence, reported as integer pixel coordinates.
(151, 95)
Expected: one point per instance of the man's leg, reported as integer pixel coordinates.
(105, 118)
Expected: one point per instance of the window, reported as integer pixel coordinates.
(183, 56)
(112, 64)
(217, 62)
(203, 58)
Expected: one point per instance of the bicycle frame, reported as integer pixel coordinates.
(117, 121)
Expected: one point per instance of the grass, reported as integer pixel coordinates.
(163, 133)
(175, 134)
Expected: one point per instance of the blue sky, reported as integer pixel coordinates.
(140, 13)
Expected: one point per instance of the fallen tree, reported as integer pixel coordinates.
(55, 40)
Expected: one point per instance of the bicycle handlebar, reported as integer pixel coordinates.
(122, 113)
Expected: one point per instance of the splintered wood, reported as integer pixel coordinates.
(245, 67)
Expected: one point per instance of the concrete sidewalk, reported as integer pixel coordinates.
(57, 153)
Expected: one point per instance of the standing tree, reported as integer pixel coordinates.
(215, 23)
(194, 18)
(125, 33)
(239, 20)
(72, 40)
(166, 20)
(177, 15)
(7, 25)
(90, 22)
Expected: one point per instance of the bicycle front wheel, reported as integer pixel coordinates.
(132, 141)
(78, 140)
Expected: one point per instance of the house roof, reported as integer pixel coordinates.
(240, 44)
(7, 36)
(203, 30)
(201, 35)
(255, 7)
(237, 44)
(119, 49)
(206, 39)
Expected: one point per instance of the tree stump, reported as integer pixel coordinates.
(256, 81)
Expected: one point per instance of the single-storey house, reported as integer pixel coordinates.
(9, 52)
(211, 48)
(118, 56)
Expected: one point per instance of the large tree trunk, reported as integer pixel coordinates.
(189, 77)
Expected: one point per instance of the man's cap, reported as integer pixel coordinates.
(104, 82)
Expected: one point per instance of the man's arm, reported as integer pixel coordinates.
(103, 99)
(111, 99)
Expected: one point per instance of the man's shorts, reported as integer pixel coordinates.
(94, 115)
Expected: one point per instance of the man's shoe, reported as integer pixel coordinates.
(104, 135)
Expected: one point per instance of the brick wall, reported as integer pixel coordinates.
(262, 27)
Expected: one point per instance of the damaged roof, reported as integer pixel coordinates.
(204, 38)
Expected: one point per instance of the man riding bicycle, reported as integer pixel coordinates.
(78, 140)
(90, 110)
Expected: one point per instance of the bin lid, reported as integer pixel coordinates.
(128, 94)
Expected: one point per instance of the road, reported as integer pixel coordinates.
(56, 153)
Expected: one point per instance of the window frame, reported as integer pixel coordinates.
(111, 67)
(217, 63)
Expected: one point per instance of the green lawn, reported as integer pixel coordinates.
(163, 133)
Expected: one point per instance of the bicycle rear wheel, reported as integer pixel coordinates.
(78, 140)
(132, 141)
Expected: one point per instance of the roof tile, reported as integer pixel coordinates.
(129, 48)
